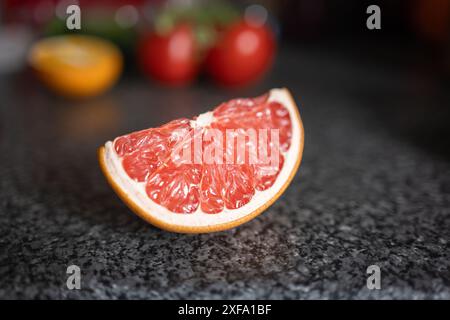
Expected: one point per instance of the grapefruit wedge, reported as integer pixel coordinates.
(198, 175)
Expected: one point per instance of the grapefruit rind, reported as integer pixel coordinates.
(135, 197)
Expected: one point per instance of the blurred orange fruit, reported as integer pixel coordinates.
(190, 197)
(75, 65)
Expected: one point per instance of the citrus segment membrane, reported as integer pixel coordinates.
(147, 157)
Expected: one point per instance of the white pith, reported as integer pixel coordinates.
(136, 190)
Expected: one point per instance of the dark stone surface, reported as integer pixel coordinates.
(373, 188)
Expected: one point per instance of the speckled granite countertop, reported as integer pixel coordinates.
(373, 188)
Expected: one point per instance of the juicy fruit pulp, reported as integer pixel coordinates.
(186, 187)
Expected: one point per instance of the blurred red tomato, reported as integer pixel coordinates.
(170, 58)
(242, 54)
